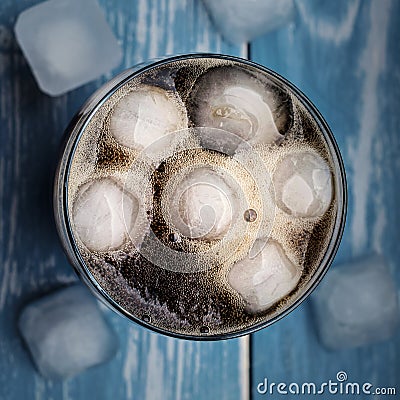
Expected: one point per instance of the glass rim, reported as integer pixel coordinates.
(72, 137)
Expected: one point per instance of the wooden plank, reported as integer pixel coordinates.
(148, 366)
(345, 56)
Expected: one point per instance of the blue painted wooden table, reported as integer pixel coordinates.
(345, 55)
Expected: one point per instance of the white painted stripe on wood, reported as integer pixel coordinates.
(155, 384)
(140, 39)
(244, 363)
(360, 149)
(129, 369)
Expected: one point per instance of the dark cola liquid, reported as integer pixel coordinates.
(176, 278)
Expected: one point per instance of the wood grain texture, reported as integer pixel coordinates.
(148, 366)
(345, 56)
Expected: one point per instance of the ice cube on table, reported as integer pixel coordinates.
(104, 215)
(356, 304)
(66, 333)
(241, 21)
(265, 276)
(303, 185)
(67, 43)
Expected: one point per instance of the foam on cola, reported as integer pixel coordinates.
(202, 197)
